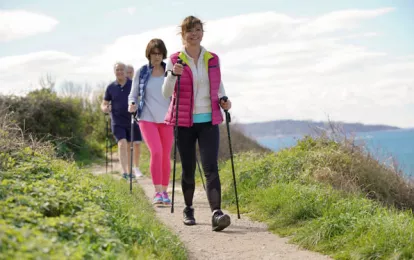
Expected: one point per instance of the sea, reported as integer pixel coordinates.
(397, 145)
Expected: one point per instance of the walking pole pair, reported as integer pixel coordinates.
(132, 149)
(228, 119)
(108, 144)
(110, 150)
(179, 61)
(201, 175)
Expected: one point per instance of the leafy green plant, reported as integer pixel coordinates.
(53, 209)
(328, 196)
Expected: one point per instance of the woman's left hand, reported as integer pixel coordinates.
(225, 105)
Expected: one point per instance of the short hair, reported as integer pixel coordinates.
(189, 23)
(156, 44)
(129, 66)
(119, 63)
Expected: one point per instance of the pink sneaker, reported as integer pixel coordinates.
(157, 198)
(165, 199)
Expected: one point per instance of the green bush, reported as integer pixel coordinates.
(74, 125)
(320, 193)
(53, 209)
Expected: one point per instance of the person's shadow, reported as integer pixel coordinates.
(239, 229)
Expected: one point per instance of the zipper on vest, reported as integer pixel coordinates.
(192, 106)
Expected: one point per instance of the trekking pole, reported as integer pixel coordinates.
(228, 119)
(132, 149)
(106, 142)
(110, 147)
(179, 61)
(201, 175)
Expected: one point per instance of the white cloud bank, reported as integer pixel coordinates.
(274, 67)
(18, 24)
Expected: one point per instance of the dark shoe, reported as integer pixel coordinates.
(189, 219)
(219, 220)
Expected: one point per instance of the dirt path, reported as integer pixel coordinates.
(243, 239)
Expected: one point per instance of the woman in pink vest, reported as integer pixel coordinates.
(199, 116)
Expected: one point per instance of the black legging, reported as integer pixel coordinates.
(208, 141)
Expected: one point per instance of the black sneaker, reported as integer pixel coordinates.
(189, 219)
(219, 220)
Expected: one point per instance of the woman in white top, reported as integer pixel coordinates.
(152, 107)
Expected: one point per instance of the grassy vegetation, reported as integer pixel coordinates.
(327, 196)
(52, 209)
(74, 124)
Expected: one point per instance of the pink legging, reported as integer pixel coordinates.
(159, 138)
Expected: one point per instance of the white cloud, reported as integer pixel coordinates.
(176, 3)
(274, 67)
(338, 21)
(130, 10)
(18, 24)
(20, 74)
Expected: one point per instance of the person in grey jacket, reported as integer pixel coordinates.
(152, 107)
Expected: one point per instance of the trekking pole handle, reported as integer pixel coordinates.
(225, 98)
(107, 113)
(179, 61)
(133, 113)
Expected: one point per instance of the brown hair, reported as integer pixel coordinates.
(156, 44)
(189, 23)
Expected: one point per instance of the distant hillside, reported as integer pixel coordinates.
(294, 127)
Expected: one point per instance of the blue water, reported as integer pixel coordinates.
(396, 144)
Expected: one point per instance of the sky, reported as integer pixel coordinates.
(349, 61)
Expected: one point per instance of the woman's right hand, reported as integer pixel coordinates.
(177, 69)
(132, 108)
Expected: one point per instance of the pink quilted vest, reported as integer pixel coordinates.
(186, 101)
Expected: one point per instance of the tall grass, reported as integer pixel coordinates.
(327, 195)
(53, 209)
